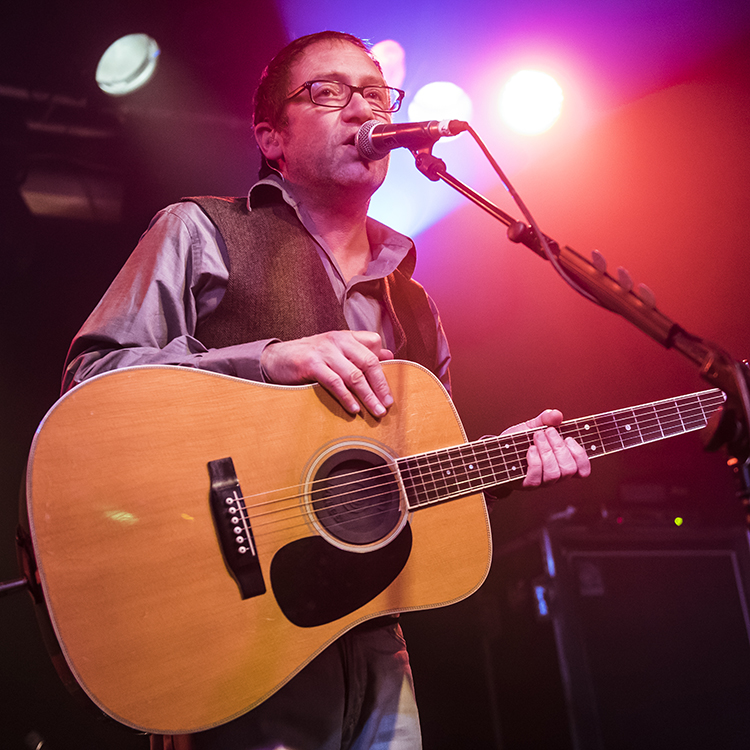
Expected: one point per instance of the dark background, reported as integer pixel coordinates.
(657, 181)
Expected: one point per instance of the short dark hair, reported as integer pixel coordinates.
(270, 96)
(273, 87)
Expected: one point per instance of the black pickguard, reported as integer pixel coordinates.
(316, 583)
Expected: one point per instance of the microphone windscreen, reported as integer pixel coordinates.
(364, 142)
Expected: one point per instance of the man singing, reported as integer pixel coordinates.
(295, 284)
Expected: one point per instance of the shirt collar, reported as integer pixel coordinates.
(391, 249)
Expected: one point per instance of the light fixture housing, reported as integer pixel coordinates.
(127, 64)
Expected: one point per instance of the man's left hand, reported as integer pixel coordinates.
(551, 457)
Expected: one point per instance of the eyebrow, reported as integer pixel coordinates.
(369, 80)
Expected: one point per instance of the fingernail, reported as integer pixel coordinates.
(380, 410)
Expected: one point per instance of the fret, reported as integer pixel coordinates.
(472, 469)
(433, 477)
(519, 466)
(513, 449)
(628, 428)
(608, 433)
(587, 435)
(648, 423)
(464, 469)
(573, 429)
(711, 399)
(448, 472)
(692, 412)
(669, 420)
(490, 461)
(415, 484)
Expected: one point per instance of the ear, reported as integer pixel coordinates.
(268, 141)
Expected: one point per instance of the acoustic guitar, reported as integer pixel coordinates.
(201, 538)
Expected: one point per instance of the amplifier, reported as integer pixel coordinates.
(610, 638)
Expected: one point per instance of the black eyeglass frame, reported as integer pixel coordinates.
(352, 90)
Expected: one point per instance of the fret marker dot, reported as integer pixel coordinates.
(586, 427)
(628, 427)
(471, 467)
(593, 447)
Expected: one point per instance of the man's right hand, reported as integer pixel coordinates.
(346, 363)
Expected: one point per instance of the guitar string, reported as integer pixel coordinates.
(432, 482)
(445, 454)
(514, 449)
(465, 486)
(300, 520)
(449, 454)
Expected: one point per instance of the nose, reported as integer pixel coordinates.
(359, 108)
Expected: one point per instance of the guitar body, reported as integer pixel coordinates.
(149, 616)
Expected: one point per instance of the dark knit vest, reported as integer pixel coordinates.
(278, 287)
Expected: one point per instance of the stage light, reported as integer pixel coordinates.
(391, 56)
(531, 102)
(127, 64)
(440, 100)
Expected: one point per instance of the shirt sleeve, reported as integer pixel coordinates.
(175, 277)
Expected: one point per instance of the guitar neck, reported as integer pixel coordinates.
(450, 473)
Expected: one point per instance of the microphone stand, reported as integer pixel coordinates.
(728, 428)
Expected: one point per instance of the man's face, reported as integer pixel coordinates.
(318, 143)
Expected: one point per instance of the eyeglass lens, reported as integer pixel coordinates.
(333, 93)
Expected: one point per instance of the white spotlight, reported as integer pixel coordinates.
(440, 100)
(531, 102)
(392, 58)
(127, 64)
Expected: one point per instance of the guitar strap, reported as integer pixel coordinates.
(278, 287)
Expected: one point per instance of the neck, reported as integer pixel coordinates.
(343, 226)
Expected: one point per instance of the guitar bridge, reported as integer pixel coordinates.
(233, 528)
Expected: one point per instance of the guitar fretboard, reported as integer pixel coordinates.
(449, 473)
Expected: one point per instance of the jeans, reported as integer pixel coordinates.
(358, 694)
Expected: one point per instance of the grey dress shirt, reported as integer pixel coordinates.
(177, 275)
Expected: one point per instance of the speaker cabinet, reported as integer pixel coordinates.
(621, 639)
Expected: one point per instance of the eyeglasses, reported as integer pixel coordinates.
(337, 95)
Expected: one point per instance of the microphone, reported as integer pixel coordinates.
(375, 139)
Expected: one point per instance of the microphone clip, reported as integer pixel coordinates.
(430, 166)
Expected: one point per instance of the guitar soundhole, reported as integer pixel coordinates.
(356, 497)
